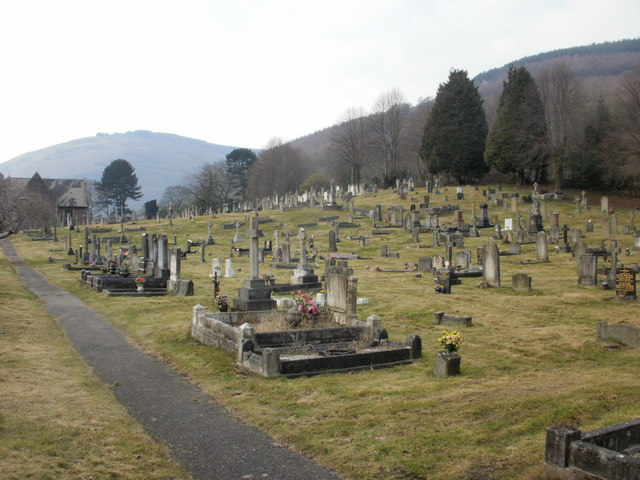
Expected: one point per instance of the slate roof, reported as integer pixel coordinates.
(68, 192)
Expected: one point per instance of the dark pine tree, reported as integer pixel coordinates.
(455, 134)
(119, 183)
(515, 144)
(238, 162)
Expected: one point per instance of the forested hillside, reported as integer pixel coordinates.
(596, 131)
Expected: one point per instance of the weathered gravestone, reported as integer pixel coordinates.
(425, 264)
(463, 259)
(542, 252)
(342, 290)
(587, 269)
(491, 264)
(521, 282)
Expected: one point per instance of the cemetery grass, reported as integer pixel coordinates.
(57, 419)
(530, 361)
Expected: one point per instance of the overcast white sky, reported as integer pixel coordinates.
(239, 72)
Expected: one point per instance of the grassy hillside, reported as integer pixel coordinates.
(530, 361)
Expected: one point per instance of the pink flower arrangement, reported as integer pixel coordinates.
(305, 303)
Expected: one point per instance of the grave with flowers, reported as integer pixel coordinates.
(310, 334)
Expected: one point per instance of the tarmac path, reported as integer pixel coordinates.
(201, 435)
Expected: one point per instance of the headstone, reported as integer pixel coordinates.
(332, 241)
(588, 269)
(542, 252)
(341, 291)
(535, 223)
(579, 248)
(564, 246)
(303, 273)
(555, 219)
(575, 235)
(604, 204)
(463, 259)
(425, 264)
(589, 226)
(286, 253)
(484, 216)
(508, 223)
(521, 282)
(216, 268)
(162, 265)
(174, 268)
(228, 268)
(613, 224)
(238, 236)
(514, 248)
(606, 226)
(491, 264)
(443, 281)
(625, 284)
(210, 236)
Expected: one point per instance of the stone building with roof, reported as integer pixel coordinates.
(68, 199)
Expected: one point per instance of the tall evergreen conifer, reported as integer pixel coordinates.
(455, 134)
(515, 144)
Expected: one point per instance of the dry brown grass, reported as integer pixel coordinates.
(530, 361)
(57, 420)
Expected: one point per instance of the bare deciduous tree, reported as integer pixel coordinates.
(177, 196)
(209, 186)
(15, 207)
(348, 144)
(390, 114)
(414, 132)
(280, 168)
(628, 103)
(561, 94)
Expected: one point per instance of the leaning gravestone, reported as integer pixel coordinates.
(491, 264)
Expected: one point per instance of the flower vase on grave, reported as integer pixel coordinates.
(140, 287)
(446, 364)
(293, 317)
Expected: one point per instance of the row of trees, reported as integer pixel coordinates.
(545, 128)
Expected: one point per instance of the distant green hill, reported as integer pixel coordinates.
(160, 159)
